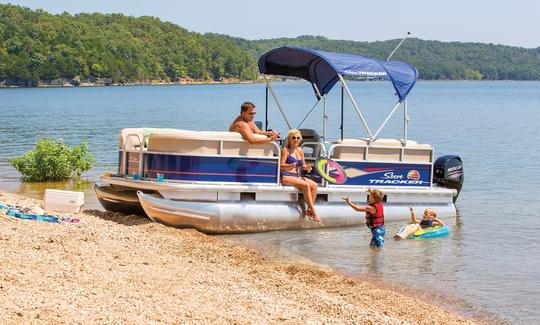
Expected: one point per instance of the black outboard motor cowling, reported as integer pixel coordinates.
(448, 172)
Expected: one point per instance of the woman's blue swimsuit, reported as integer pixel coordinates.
(291, 159)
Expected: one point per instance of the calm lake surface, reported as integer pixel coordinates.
(490, 264)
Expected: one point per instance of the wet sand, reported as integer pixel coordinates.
(112, 268)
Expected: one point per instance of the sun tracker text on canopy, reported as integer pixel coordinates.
(322, 68)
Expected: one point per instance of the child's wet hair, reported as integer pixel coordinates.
(431, 211)
(377, 195)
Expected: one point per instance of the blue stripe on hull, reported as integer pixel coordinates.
(211, 169)
(387, 174)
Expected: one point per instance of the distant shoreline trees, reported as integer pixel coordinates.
(35, 45)
(40, 48)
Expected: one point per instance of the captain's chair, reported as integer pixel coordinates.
(311, 149)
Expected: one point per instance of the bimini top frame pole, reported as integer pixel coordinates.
(266, 108)
(325, 117)
(405, 120)
(269, 87)
(319, 97)
(397, 47)
(308, 113)
(353, 102)
(359, 112)
(385, 121)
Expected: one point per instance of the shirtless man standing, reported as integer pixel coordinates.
(244, 125)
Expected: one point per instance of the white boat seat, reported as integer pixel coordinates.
(131, 142)
(383, 150)
(351, 149)
(208, 143)
(311, 151)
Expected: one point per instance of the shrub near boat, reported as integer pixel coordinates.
(52, 160)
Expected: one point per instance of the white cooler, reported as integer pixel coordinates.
(63, 201)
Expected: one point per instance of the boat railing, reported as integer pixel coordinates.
(129, 147)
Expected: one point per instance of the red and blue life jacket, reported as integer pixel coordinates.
(375, 219)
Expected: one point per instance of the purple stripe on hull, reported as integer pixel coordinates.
(211, 169)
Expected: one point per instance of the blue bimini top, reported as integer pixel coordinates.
(322, 68)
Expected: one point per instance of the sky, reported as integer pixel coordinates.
(514, 23)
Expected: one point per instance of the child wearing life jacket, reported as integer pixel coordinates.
(429, 219)
(374, 216)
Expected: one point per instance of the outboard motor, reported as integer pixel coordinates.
(448, 172)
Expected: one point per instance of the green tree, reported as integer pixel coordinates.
(53, 161)
(36, 45)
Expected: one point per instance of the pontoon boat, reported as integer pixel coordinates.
(219, 183)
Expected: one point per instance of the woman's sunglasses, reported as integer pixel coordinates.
(296, 138)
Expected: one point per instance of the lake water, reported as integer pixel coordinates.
(488, 266)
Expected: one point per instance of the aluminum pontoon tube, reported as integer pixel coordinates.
(253, 216)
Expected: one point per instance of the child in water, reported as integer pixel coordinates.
(374, 216)
(429, 219)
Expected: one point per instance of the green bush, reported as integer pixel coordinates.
(53, 161)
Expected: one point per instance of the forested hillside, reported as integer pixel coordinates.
(433, 59)
(36, 46)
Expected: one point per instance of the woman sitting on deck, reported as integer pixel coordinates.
(292, 164)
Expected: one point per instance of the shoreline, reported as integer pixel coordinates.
(69, 84)
(115, 268)
(106, 82)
